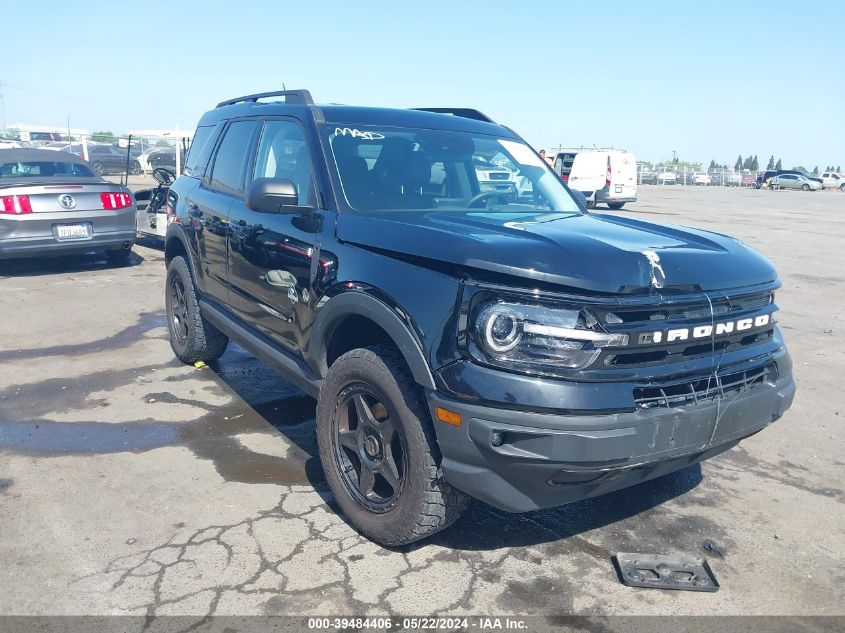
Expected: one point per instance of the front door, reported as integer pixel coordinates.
(270, 253)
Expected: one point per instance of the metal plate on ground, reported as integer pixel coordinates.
(684, 573)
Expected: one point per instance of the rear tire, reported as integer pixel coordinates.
(98, 167)
(615, 205)
(387, 482)
(192, 338)
(842, 187)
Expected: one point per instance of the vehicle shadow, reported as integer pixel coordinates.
(76, 263)
(153, 243)
(277, 403)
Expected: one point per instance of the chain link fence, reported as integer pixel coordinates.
(128, 159)
(691, 176)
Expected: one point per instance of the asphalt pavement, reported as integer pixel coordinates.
(133, 484)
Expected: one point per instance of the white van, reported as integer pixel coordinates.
(607, 176)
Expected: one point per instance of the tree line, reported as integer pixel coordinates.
(750, 163)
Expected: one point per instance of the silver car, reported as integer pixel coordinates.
(54, 203)
(795, 181)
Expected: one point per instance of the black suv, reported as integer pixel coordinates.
(461, 341)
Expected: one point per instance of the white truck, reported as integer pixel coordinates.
(832, 180)
(605, 176)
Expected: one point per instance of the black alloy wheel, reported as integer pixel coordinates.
(178, 309)
(368, 447)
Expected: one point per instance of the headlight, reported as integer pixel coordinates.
(539, 337)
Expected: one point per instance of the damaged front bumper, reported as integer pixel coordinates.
(520, 460)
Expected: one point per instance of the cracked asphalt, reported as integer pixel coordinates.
(132, 484)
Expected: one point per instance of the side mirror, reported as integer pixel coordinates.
(271, 195)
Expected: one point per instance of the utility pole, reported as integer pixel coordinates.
(2, 109)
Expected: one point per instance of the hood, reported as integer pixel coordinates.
(605, 254)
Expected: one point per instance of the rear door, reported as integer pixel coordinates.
(208, 205)
(270, 254)
(623, 175)
(589, 171)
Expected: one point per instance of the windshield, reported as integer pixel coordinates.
(42, 169)
(389, 169)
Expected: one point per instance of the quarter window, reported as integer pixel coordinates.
(193, 162)
(228, 173)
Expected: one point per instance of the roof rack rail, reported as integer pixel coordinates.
(291, 96)
(467, 113)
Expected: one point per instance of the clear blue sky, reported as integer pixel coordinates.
(708, 79)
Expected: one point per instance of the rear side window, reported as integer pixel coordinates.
(44, 169)
(227, 175)
(195, 163)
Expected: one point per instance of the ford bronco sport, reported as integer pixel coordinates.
(461, 341)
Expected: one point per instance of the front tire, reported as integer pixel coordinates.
(379, 452)
(615, 205)
(805, 187)
(192, 338)
(98, 167)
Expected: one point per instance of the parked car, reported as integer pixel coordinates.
(55, 145)
(748, 180)
(54, 203)
(795, 181)
(605, 177)
(685, 176)
(9, 144)
(832, 180)
(763, 177)
(667, 177)
(646, 176)
(459, 343)
(164, 157)
(105, 159)
(494, 178)
(701, 178)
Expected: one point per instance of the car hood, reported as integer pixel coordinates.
(604, 254)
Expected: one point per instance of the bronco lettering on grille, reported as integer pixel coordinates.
(703, 331)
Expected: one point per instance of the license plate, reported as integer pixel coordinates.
(73, 231)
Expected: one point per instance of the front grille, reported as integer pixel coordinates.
(700, 309)
(705, 389)
(693, 350)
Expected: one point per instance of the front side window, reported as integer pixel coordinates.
(227, 175)
(403, 169)
(283, 153)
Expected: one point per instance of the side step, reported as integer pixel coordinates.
(281, 361)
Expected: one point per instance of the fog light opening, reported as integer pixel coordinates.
(497, 439)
